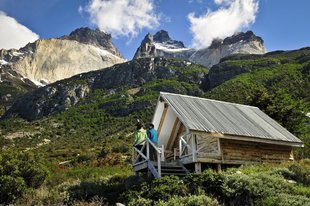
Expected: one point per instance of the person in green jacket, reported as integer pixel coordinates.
(140, 136)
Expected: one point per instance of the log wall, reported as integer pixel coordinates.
(235, 151)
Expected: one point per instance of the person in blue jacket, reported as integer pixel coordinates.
(153, 136)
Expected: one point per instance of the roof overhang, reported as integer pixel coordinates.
(250, 139)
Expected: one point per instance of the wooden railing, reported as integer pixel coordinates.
(186, 146)
(139, 157)
(196, 145)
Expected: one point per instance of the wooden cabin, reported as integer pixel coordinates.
(195, 133)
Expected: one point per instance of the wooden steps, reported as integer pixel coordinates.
(172, 168)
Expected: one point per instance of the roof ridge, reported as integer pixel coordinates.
(208, 99)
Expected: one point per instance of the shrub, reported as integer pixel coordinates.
(211, 182)
(11, 188)
(166, 187)
(241, 189)
(286, 200)
(284, 172)
(107, 189)
(300, 174)
(193, 200)
(140, 202)
(19, 172)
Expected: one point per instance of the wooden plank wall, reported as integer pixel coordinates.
(235, 150)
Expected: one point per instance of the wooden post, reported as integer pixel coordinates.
(162, 119)
(147, 149)
(163, 153)
(219, 167)
(180, 147)
(158, 165)
(193, 143)
(174, 153)
(198, 167)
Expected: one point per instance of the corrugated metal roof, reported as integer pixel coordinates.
(229, 118)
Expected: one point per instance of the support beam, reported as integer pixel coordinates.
(193, 147)
(198, 167)
(162, 119)
(219, 167)
(173, 134)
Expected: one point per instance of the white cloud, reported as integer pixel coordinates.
(231, 17)
(14, 34)
(122, 17)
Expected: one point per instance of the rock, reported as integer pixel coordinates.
(119, 204)
(162, 36)
(46, 61)
(66, 93)
(222, 72)
(240, 43)
(95, 37)
(161, 45)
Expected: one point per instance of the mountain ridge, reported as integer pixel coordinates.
(162, 45)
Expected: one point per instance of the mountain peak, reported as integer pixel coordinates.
(93, 37)
(162, 45)
(161, 36)
(242, 36)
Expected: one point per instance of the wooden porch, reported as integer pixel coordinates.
(198, 149)
(151, 160)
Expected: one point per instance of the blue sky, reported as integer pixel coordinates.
(283, 24)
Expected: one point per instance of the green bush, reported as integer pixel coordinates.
(286, 200)
(140, 202)
(242, 189)
(107, 189)
(19, 172)
(11, 188)
(158, 189)
(166, 187)
(300, 174)
(210, 181)
(192, 200)
(284, 172)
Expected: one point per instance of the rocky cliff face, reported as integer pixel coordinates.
(241, 43)
(162, 45)
(93, 37)
(46, 61)
(66, 93)
(12, 85)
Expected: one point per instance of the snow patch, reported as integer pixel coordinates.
(17, 53)
(170, 48)
(104, 52)
(39, 84)
(3, 62)
(11, 75)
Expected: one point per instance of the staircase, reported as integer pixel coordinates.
(142, 163)
(172, 168)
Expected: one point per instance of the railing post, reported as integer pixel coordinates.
(158, 164)
(147, 149)
(163, 153)
(180, 147)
